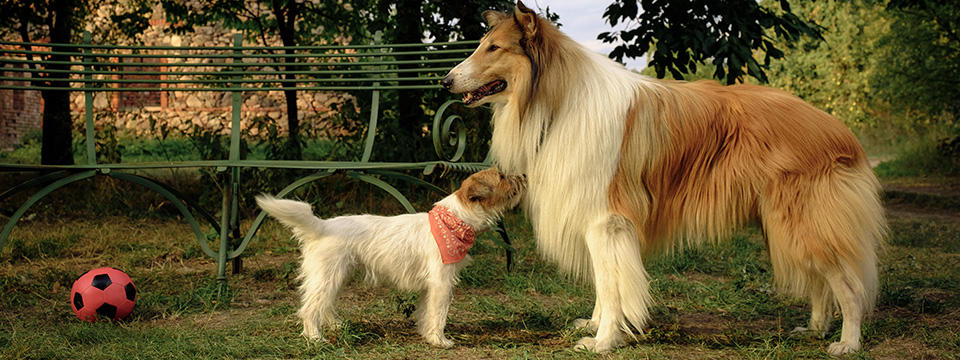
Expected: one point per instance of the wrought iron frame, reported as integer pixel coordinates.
(448, 131)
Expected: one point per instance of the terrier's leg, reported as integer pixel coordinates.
(321, 278)
(432, 314)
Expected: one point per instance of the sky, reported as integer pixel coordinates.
(583, 20)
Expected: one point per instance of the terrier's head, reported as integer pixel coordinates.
(485, 195)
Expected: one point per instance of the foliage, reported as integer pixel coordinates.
(921, 159)
(834, 73)
(295, 23)
(56, 20)
(59, 22)
(683, 34)
(400, 135)
(887, 69)
(920, 58)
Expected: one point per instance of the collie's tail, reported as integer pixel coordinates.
(296, 215)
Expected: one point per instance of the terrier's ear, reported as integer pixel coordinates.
(493, 17)
(527, 19)
(477, 192)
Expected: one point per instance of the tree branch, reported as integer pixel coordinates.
(24, 30)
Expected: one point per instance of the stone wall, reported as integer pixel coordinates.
(134, 111)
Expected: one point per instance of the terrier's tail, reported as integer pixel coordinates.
(296, 215)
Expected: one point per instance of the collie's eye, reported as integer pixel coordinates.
(492, 48)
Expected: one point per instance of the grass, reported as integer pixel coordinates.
(921, 158)
(713, 302)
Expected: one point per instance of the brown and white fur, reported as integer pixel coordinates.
(398, 250)
(622, 166)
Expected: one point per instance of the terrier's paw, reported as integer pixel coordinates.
(840, 348)
(584, 324)
(314, 334)
(316, 337)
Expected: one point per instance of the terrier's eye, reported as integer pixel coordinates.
(492, 48)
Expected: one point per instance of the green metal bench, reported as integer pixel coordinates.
(372, 68)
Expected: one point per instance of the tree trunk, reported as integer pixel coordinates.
(57, 147)
(410, 110)
(293, 123)
(287, 13)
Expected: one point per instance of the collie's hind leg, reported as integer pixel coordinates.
(822, 239)
(825, 279)
(850, 298)
(622, 285)
(821, 309)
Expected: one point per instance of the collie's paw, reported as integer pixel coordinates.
(584, 324)
(803, 331)
(599, 346)
(586, 344)
(840, 348)
(439, 341)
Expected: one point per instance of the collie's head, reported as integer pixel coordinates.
(507, 63)
(484, 196)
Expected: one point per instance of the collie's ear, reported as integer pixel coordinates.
(493, 17)
(527, 19)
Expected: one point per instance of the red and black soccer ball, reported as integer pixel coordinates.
(103, 293)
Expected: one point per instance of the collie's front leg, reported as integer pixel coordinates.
(622, 285)
(590, 324)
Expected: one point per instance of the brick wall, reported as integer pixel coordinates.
(20, 111)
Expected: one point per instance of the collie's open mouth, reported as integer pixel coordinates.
(491, 88)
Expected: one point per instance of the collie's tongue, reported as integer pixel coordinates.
(489, 89)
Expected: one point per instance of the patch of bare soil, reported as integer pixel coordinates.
(923, 201)
(903, 349)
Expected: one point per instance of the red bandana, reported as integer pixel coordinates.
(453, 236)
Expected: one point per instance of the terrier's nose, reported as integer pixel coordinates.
(447, 82)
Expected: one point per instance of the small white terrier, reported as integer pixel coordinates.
(421, 252)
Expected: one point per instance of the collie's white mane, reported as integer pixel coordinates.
(574, 124)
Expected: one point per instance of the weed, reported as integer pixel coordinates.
(46, 247)
(712, 302)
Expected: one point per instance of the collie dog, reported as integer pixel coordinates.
(415, 252)
(621, 166)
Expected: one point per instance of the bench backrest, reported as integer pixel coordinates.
(235, 70)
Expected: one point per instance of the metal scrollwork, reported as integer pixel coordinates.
(450, 132)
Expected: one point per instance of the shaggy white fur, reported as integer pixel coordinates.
(398, 250)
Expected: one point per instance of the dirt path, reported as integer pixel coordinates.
(923, 200)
